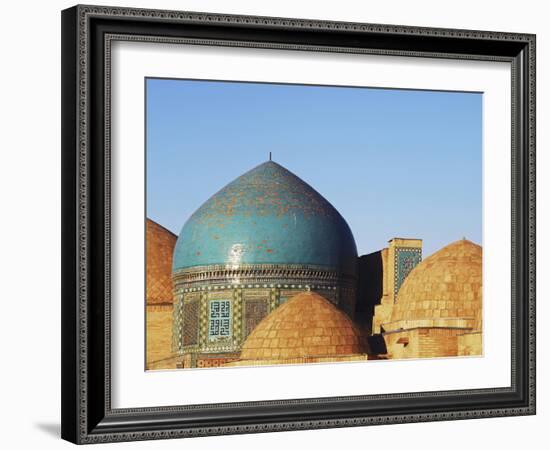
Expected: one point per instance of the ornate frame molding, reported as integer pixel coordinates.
(87, 416)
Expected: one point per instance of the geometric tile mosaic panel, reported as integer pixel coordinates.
(191, 323)
(406, 259)
(254, 312)
(219, 319)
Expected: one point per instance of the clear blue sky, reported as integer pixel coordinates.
(394, 162)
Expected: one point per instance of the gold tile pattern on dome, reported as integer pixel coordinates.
(306, 326)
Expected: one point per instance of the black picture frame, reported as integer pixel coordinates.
(87, 415)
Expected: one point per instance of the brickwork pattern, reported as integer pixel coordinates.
(437, 342)
(160, 245)
(423, 343)
(159, 296)
(470, 344)
(308, 360)
(305, 326)
(444, 287)
(159, 335)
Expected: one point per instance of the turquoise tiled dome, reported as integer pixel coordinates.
(266, 216)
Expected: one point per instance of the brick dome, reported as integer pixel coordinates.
(306, 326)
(160, 248)
(443, 290)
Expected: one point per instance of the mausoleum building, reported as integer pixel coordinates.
(260, 240)
(438, 308)
(266, 271)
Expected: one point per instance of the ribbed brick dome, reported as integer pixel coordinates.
(160, 248)
(446, 287)
(307, 325)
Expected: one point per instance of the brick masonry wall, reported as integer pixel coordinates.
(383, 311)
(437, 342)
(160, 244)
(423, 343)
(159, 337)
(470, 344)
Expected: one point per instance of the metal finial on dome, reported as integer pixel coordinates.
(270, 156)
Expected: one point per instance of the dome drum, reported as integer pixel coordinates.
(240, 308)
